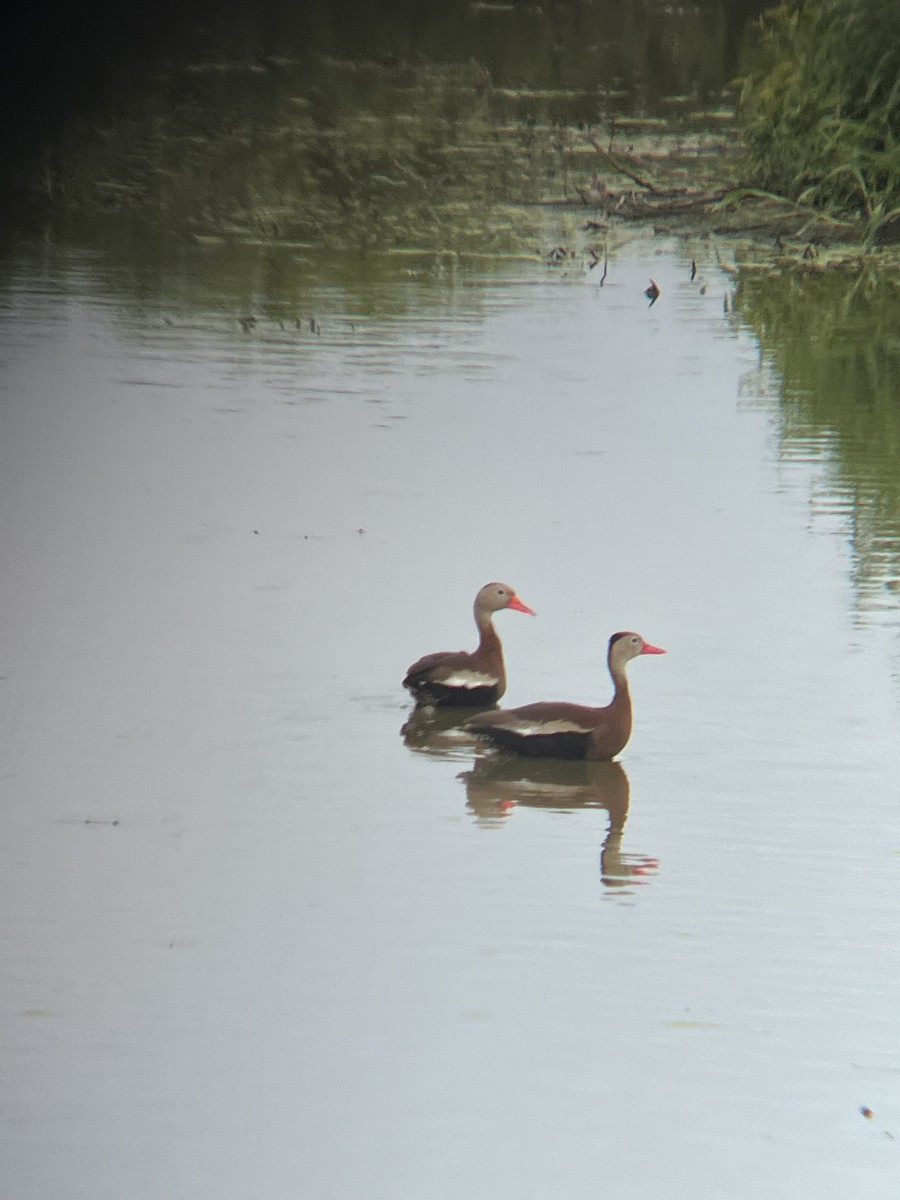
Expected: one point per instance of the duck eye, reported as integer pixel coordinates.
(634, 641)
(500, 592)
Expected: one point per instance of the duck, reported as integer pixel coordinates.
(562, 730)
(461, 678)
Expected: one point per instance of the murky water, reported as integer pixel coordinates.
(367, 125)
(259, 941)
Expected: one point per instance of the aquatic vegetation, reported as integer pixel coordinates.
(820, 107)
(355, 127)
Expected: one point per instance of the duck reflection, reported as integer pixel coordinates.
(498, 784)
(439, 732)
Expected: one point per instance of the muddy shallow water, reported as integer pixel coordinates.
(259, 941)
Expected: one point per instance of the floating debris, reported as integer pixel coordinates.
(693, 269)
(247, 323)
(653, 292)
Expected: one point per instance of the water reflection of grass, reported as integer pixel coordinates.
(373, 133)
(834, 343)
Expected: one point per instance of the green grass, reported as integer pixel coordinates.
(820, 106)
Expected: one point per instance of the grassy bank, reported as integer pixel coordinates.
(820, 110)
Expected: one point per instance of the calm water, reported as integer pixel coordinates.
(259, 942)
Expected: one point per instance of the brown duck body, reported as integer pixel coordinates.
(562, 730)
(459, 677)
(463, 678)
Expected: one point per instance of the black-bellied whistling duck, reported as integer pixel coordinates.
(459, 678)
(560, 730)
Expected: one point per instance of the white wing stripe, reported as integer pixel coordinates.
(469, 679)
(527, 728)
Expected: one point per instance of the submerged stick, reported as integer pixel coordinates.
(618, 166)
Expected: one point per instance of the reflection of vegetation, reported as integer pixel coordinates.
(821, 105)
(389, 126)
(835, 344)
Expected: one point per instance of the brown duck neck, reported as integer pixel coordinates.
(621, 701)
(488, 641)
(489, 651)
(613, 723)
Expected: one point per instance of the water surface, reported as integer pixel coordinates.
(259, 942)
